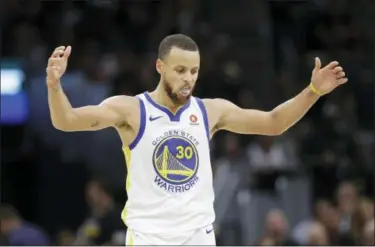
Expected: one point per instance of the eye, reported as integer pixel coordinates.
(180, 70)
(194, 71)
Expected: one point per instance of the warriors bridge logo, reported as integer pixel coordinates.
(176, 162)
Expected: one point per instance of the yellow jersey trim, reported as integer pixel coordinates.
(127, 153)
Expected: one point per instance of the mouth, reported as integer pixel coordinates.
(185, 91)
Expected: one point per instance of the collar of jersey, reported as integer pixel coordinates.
(174, 117)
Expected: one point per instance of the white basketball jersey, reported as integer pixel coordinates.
(169, 181)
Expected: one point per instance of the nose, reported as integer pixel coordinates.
(187, 78)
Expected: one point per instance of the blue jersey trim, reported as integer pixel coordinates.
(205, 118)
(173, 117)
(142, 125)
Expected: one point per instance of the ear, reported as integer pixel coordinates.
(159, 65)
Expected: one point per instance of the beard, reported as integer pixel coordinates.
(174, 96)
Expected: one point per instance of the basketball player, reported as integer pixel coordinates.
(166, 134)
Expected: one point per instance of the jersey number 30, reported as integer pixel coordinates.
(184, 152)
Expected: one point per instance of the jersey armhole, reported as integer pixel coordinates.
(205, 117)
(142, 124)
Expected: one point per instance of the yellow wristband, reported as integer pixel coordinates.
(312, 88)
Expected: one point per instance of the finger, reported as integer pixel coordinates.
(318, 64)
(340, 75)
(67, 52)
(57, 53)
(343, 80)
(332, 65)
(337, 69)
(60, 48)
(53, 60)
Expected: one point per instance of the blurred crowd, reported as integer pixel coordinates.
(349, 222)
(68, 188)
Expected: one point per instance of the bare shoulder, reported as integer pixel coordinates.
(127, 108)
(122, 103)
(218, 106)
(217, 102)
(215, 109)
(219, 111)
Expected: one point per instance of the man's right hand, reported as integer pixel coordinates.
(57, 64)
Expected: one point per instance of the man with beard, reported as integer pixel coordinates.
(166, 134)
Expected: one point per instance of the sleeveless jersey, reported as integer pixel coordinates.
(169, 182)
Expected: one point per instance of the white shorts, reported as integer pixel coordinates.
(202, 236)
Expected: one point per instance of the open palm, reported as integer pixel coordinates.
(327, 78)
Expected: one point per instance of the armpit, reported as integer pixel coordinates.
(123, 125)
(213, 114)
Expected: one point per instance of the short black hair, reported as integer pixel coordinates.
(180, 41)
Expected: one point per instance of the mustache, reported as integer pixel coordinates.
(187, 86)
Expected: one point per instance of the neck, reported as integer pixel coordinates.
(161, 97)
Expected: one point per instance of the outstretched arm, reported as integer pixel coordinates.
(66, 118)
(88, 118)
(275, 122)
(281, 118)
